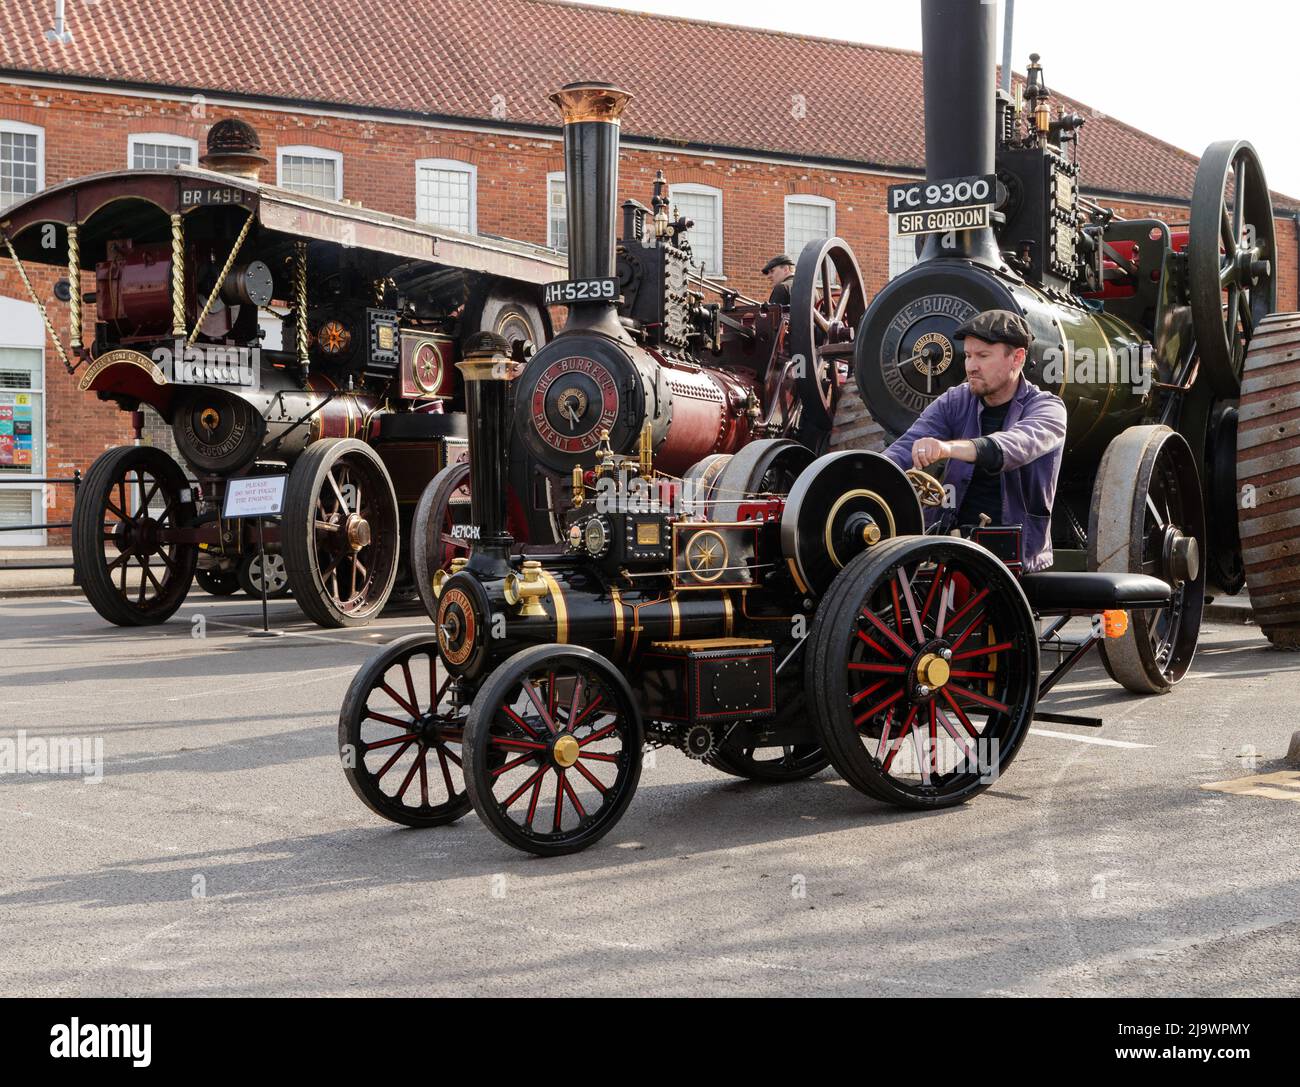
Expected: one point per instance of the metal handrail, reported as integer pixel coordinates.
(75, 480)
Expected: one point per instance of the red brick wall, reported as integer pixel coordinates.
(87, 132)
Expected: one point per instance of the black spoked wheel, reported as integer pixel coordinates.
(217, 581)
(444, 505)
(1232, 259)
(553, 749)
(339, 533)
(401, 731)
(1148, 517)
(922, 671)
(828, 303)
(134, 503)
(250, 572)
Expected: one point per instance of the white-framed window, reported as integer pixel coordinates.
(902, 251)
(312, 171)
(557, 213)
(160, 151)
(807, 219)
(703, 204)
(22, 161)
(446, 194)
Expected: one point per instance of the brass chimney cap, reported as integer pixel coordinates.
(591, 101)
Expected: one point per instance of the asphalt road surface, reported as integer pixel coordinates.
(223, 853)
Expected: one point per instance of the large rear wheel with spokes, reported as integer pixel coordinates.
(553, 749)
(339, 532)
(922, 671)
(132, 509)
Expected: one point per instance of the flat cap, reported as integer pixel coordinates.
(997, 326)
(777, 261)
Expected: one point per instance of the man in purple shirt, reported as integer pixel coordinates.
(1001, 435)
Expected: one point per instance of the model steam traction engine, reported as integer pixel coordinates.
(644, 349)
(273, 331)
(1159, 341)
(800, 619)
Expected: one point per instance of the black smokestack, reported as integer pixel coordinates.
(591, 114)
(957, 54)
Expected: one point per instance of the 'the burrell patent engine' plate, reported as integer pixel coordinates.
(574, 400)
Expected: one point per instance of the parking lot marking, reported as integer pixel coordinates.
(1281, 785)
(1085, 739)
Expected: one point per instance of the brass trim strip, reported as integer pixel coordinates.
(561, 609)
(617, 600)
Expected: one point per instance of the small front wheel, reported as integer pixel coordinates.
(553, 749)
(400, 732)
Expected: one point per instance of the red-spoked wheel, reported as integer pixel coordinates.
(922, 671)
(400, 735)
(553, 749)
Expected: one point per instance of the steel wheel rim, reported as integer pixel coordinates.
(527, 742)
(352, 574)
(823, 324)
(1167, 501)
(1233, 257)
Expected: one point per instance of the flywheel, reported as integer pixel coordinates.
(1268, 477)
(842, 505)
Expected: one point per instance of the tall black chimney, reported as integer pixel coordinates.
(957, 56)
(591, 113)
(487, 370)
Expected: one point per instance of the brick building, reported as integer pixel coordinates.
(414, 107)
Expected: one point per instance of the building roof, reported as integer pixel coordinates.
(493, 61)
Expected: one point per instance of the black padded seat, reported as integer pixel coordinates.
(1063, 591)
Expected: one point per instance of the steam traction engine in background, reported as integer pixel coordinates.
(645, 351)
(795, 618)
(273, 331)
(1161, 342)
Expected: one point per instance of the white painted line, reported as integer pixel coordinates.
(1085, 739)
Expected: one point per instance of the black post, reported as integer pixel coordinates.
(261, 548)
(266, 631)
(958, 47)
(76, 490)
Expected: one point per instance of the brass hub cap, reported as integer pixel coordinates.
(565, 751)
(358, 531)
(932, 671)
